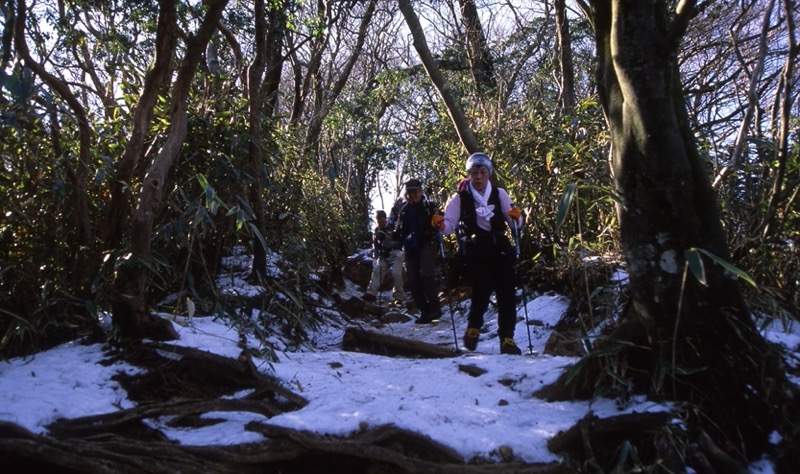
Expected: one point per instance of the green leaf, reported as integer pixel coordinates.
(563, 206)
(607, 193)
(203, 181)
(730, 267)
(100, 175)
(689, 371)
(696, 265)
(240, 219)
(210, 193)
(624, 455)
(258, 235)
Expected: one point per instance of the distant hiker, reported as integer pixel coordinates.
(394, 214)
(415, 230)
(480, 214)
(388, 255)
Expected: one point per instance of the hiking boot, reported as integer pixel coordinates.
(471, 338)
(368, 297)
(424, 319)
(509, 346)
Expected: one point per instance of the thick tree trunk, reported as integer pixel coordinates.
(119, 210)
(690, 342)
(129, 303)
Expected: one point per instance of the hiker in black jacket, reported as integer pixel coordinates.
(414, 228)
(481, 213)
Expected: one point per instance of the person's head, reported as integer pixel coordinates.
(413, 191)
(479, 170)
(380, 217)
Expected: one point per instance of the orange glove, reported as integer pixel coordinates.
(437, 222)
(514, 213)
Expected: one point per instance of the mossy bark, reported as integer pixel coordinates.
(680, 339)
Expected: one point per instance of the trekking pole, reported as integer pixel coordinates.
(522, 284)
(379, 261)
(447, 288)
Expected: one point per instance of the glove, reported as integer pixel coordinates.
(514, 213)
(437, 222)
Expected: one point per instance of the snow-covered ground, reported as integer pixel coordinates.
(350, 391)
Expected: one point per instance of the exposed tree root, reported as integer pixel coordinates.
(357, 339)
(382, 450)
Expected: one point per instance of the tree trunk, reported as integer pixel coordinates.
(325, 95)
(480, 61)
(255, 104)
(129, 303)
(457, 116)
(83, 267)
(166, 35)
(781, 193)
(567, 95)
(756, 72)
(332, 91)
(679, 338)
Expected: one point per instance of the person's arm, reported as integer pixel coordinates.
(506, 204)
(452, 214)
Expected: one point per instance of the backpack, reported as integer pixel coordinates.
(414, 235)
(383, 241)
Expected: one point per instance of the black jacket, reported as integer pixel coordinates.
(413, 226)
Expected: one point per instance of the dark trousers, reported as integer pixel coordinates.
(421, 279)
(493, 274)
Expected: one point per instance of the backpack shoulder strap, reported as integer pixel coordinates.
(430, 208)
(467, 218)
